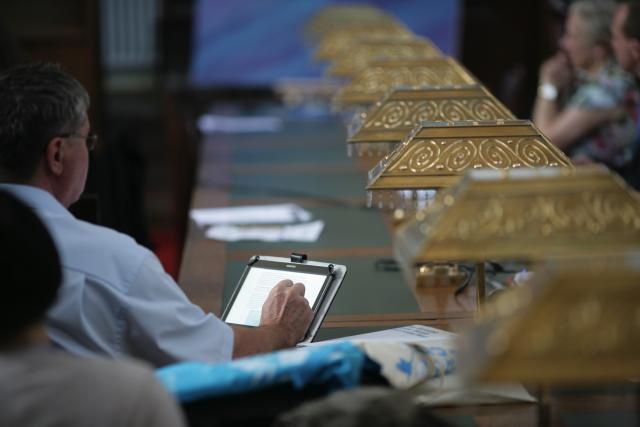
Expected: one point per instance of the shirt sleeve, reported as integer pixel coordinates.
(593, 96)
(607, 91)
(165, 327)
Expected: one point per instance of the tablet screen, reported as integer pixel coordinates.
(247, 305)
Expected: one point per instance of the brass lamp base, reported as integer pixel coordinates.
(442, 275)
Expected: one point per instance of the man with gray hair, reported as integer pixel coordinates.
(116, 299)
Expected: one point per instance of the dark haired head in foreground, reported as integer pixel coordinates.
(39, 385)
(30, 269)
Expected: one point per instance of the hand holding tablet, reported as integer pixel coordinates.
(278, 291)
(287, 307)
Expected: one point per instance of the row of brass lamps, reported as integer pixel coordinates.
(481, 185)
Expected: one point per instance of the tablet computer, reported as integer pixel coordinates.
(321, 281)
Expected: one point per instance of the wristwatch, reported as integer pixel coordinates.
(548, 91)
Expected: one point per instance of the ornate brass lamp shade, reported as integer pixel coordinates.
(389, 121)
(338, 16)
(334, 43)
(381, 76)
(306, 91)
(359, 54)
(437, 154)
(577, 323)
(523, 215)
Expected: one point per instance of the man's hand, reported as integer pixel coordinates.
(287, 309)
(285, 318)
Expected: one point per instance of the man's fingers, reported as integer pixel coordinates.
(299, 288)
(286, 283)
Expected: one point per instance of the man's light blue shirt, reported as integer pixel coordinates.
(116, 298)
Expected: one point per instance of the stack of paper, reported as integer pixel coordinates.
(405, 334)
(452, 390)
(269, 223)
(211, 123)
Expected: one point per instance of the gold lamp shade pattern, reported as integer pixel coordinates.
(336, 42)
(483, 186)
(524, 215)
(437, 154)
(333, 17)
(380, 77)
(578, 322)
(359, 54)
(389, 121)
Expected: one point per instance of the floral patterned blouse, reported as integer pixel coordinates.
(612, 87)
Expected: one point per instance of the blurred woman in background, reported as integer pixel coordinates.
(586, 102)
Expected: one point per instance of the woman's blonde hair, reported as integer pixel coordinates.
(597, 15)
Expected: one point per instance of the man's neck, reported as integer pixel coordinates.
(43, 182)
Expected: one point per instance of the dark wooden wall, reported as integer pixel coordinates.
(62, 31)
(504, 42)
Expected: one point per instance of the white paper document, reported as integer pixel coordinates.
(258, 214)
(451, 390)
(210, 123)
(404, 334)
(305, 232)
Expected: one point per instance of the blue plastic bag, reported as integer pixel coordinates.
(336, 366)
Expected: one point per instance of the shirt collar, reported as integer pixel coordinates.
(37, 199)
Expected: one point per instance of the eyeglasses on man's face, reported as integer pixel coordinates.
(91, 139)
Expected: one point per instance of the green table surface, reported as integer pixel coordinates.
(306, 163)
